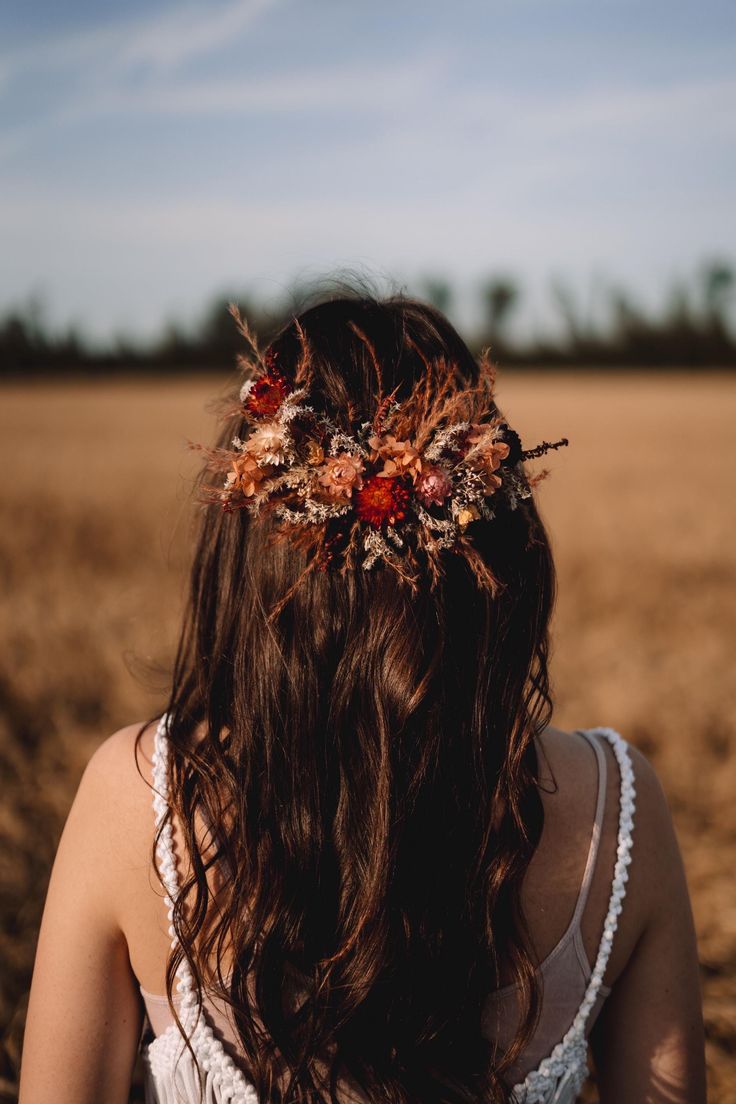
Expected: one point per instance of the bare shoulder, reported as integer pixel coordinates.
(562, 750)
(657, 873)
(564, 755)
(84, 1001)
(566, 766)
(127, 750)
(119, 775)
(112, 817)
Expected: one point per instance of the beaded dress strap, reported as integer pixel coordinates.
(569, 1057)
(166, 858)
(223, 1080)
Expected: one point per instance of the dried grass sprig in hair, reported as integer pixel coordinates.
(245, 331)
(402, 490)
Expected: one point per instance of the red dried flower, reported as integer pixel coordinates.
(265, 395)
(381, 501)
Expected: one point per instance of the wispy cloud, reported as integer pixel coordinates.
(142, 68)
(414, 149)
(103, 67)
(336, 88)
(158, 42)
(180, 35)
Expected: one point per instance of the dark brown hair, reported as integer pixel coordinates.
(368, 761)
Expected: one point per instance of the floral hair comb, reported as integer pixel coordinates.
(401, 488)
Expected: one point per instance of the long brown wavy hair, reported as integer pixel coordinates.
(367, 759)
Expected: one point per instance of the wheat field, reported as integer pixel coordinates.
(95, 524)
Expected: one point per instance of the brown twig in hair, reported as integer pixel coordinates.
(487, 369)
(244, 362)
(411, 580)
(303, 374)
(484, 577)
(464, 404)
(425, 395)
(546, 446)
(381, 410)
(350, 554)
(218, 459)
(442, 396)
(433, 556)
(226, 407)
(312, 564)
(374, 358)
(245, 331)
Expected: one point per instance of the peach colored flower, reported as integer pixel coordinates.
(245, 476)
(486, 450)
(399, 457)
(485, 454)
(267, 443)
(491, 481)
(341, 474)
(315, 453)
(433, 485)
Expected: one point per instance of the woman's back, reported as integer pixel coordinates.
(356, 707)
(569, 779)
(574, 858)
(566, 896)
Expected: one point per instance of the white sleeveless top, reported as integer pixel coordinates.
(171, 1074)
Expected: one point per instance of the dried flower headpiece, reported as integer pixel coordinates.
(401, 488)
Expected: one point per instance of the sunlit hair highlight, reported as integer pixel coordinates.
(367, 759)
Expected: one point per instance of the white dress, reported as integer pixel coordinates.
(171, 1074)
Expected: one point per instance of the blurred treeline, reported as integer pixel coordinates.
(694, 329)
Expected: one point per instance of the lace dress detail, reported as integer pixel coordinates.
(172, 1076)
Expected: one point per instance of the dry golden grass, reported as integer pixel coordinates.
(94, 529)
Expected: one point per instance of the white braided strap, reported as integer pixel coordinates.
(559, 1078)
(166, 860)
(168, 1058)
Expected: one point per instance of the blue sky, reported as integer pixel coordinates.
(152, 155)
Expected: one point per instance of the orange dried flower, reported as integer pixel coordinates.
(491, 481)
(466, 515)
(245, 476)
(486, 453)
(399, 457)
(487, 449)
(315, 453)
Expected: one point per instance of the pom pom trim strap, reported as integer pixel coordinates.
(174, 1075)
(559, 1077)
